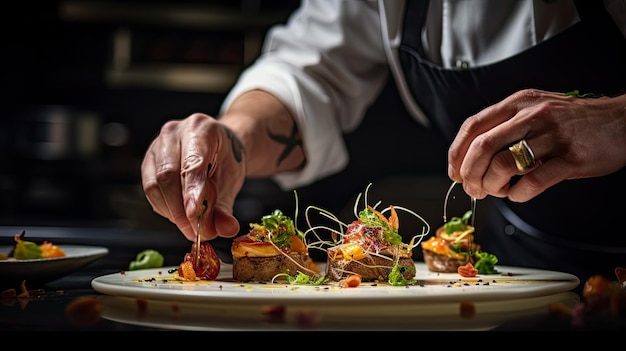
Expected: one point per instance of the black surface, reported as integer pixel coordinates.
(45, 310)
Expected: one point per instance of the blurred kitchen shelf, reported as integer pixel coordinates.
(199, 15)
(148, 40)
(177, 77)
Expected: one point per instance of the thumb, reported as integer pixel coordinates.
(218, 220)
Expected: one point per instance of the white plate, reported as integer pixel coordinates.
(510, 283)
(43, 270)
(202, 316)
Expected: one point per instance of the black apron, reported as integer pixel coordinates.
(574, 222)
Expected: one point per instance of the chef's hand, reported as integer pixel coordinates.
(571, 137)
(193, 160)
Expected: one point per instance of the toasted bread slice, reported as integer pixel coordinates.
(264, 269)
(442, 263)
(370, 268)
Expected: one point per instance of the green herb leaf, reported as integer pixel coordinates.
(486, 263)
(456, 224)
(147, 259)
(303, 279)
(396, 278)
(26, 250)
(577, 93)
(281, 227)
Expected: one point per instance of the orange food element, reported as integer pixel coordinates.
(603, 298)
(297, 245)
(393, 220)
(313, 267)
(49, 250)
(441, 246)
(8, 297)
(186, 271)
(84, 311)
(246, 248)
(275, 313)
(559, 309)
(350, 251)
(467, 270)
(467, 309)
(596, 285)
(352, 281)
(25, 293)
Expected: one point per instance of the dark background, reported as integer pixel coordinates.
(86, 86)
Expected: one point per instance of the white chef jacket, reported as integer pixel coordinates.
(329, 62)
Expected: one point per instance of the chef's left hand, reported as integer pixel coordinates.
(571, 137)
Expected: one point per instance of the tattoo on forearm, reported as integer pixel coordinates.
(290, 142)
(235, 144)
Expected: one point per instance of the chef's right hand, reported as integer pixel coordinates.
(193, 160)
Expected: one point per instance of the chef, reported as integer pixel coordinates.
(529, 94)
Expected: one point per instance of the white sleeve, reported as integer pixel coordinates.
(327, 65)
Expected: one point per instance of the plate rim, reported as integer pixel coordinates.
(95, 251)
(442, 316)
(111, 284)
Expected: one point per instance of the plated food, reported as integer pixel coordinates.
(39, 271)
(272, 248)
(28, 250)
(207, 267)
(453, 246)
(368, 249)
(371, 245)
(603, 306)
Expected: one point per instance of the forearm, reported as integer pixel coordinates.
(269, 134)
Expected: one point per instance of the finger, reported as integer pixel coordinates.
(503, 168)
(151, 187)
(161, 178)
(208, 194)
(167, 154)
(484, 121)
(197, 163)
(230, 175)
(471, 129)
(537, 180)
(219, 220)
(488, 156)
(498, 176)
(226, 225)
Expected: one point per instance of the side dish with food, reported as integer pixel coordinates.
(29, 250)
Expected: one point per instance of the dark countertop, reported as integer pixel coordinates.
(45, 310)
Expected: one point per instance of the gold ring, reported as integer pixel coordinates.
(523, 155)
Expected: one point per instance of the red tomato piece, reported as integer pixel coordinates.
(209, 264)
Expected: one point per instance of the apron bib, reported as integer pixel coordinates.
(589, 56)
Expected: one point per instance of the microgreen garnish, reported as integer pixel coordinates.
(396, 277)
(577, 93)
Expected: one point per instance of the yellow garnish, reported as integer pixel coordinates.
(347, 252)
(186, 271)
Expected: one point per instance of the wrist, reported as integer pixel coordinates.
(268, 133)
